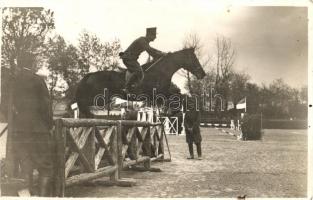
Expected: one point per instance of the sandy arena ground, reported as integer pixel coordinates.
(273, 167)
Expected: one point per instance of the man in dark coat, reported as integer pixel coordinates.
(131, 55)
(32, 122)
(192, 128)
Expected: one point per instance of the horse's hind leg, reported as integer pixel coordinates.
(83, 113)
(132, 148)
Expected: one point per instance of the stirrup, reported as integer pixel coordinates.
(125, 90)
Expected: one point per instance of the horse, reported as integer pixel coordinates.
(103, 85)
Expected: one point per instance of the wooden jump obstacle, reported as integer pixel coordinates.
(87, 149)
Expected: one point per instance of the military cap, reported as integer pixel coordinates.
(151, 31)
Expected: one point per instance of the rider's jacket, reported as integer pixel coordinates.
(137, 47)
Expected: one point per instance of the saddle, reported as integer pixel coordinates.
(146, 67)
(134, 86)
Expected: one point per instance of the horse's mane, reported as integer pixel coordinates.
(185, 50)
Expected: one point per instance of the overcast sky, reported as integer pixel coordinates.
(271, 42)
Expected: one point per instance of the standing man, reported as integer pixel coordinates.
(131, 55)
(32, 122)
(192, 128)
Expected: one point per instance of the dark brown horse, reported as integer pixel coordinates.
(98, 88)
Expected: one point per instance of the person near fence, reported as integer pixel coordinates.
(131, 55)
(32, 123)
(192, 128)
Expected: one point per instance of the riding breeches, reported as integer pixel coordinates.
(134, 67)
(34, 151)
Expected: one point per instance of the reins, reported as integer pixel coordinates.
(156, 62)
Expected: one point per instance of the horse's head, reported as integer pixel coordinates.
(192, 64)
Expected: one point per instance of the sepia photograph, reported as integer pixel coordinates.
(156, 99)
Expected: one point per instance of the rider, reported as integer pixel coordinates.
(131, 54)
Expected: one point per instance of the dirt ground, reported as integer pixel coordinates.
(273, 167)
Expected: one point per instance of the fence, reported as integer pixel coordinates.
(87, 149)
(170, 124)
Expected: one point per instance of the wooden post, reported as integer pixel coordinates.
(147, 147)
(168, 149)
(60, 137)
(55, 182)
(114, 143)
(161, 142)
(119, 148)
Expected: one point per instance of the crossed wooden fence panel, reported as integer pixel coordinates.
(136, 145)
(87, 149)
(157, 142)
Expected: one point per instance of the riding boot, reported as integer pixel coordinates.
(199, 151)
(27, 175)
(131, 81)
(190, 147)
(44, 186)
(30, 182)
(27, 190)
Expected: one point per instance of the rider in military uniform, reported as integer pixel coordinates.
(32, 122)
(131, 54)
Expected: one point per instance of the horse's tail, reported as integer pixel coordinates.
(82, 98)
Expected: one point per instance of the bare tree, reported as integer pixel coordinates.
(224, 62)
(225, 58)
(220, 73)
(192, 40)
